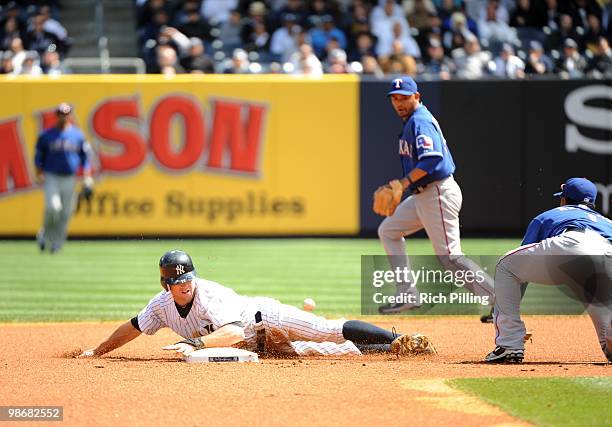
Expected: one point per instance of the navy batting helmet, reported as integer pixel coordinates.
(175, 267)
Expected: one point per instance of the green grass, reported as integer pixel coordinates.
(565, 402)
(108, 280)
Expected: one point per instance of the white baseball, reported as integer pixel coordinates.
(309, 304)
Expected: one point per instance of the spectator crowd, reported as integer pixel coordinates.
(32, 40)
(431, 39)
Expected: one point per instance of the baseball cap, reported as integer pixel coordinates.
(571, 43)
(403, 86)
(578, 189)
(64, 108)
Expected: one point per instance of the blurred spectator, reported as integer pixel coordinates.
(579, 10)
(51, 63)
(13, 11)
(371, 67)
(529, 14)
(477, 9)
(538, 63)
(255, 34)
(492, 29)
(231, 31)
(594, 32)
(51, 25)
(319, 9)
(196, 60)
(151, 29)
(600, 66)
(295, 8)
(399, 36)
(167, 61)
(19, 54)
(238, 64)
(459, 28)
(284, 43)
(148, 11)
(421, 14)
(323, 33)
(399, 65)
(217, 11)
(30, 65)
(7, 62)
(37, 38)
(193, 25)
(507, 64)
(471, 61)
(10, 30)
(566, 30)
(437, 65)
(364, 46)
(571, 64)
(304, 61)
(552, 15)
(336, 62)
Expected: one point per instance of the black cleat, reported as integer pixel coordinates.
(505, 355)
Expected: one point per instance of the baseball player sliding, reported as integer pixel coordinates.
(207, 314)
(434, 202)
(571, 245)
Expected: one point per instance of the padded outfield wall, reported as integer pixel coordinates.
(283, 155)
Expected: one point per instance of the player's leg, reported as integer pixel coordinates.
(404, 222)
(439, 206)
(68, 199)
(53, 206)
(310, 348)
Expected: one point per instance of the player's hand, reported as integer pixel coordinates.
(40, 177)
(87, 354)
(180, 347)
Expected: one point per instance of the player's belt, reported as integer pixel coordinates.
(261, 332)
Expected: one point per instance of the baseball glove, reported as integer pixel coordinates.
(86, 193)
(387, 197)
(410, 345)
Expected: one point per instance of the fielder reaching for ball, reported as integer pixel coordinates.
(434, 202)
(571, 245)
(207, 314)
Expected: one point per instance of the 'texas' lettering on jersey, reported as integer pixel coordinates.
(405, 149)
(226, 139)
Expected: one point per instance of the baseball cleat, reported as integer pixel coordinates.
(397, 308)
(505, 355)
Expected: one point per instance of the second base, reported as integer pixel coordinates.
(221, 354)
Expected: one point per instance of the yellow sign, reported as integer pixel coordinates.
(192, 155)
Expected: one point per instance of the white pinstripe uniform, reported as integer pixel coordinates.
(288, 329)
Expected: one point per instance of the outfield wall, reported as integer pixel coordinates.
(284, 155)
(203, 155)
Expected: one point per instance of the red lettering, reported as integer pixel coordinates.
(242, 138)
(164, 150)
(130, 142)
(12, 160)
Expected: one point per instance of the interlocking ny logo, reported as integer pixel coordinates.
(397, 83)
(180, 269)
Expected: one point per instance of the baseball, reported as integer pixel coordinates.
(309, 304)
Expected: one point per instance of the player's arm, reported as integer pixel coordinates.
(225, 336)
(39, 159)
(122, 335)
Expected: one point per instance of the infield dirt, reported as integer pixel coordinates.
(140, 384)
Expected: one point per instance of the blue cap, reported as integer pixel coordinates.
(403, 86)
(578, 189)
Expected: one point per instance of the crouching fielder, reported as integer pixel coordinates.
(570, 245)
(207, 314)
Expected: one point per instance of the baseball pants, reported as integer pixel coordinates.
(436, 209)
(59, 205)
(294, 331)
(558, 260)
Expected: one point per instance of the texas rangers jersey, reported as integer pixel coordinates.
(62, 151)
(555, 221)
(422, 138)
(213, 306)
